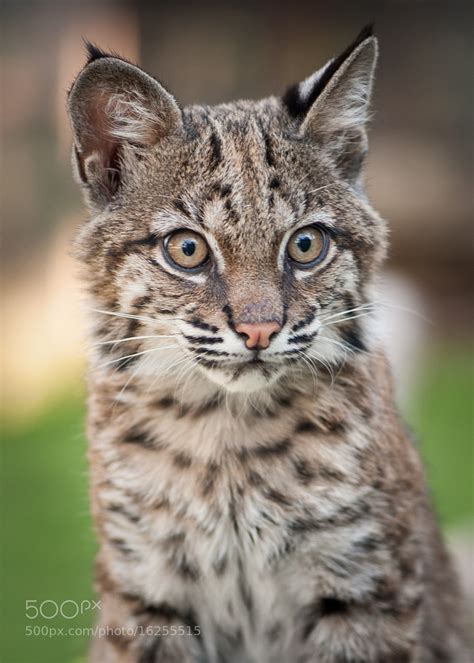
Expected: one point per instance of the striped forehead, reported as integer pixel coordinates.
(238, 187)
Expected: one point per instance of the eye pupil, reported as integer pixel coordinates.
(304, 243)
(188, 247)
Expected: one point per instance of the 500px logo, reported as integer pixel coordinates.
(50, 609)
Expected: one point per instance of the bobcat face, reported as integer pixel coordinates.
(234, 240)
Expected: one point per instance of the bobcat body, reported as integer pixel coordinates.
(256, 496)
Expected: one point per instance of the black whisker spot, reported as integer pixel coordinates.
(302, 338)
(211, 340)
(304, 322)
(208, 363)
(208, 352)
(200, 324)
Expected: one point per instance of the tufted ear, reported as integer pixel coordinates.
(116, 111)
(332, 105)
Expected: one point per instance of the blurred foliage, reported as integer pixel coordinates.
(48, 546)
(442, 418)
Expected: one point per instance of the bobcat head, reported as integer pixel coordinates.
(235, 241)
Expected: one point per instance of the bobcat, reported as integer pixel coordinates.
(256, 496)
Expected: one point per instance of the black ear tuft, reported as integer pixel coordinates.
(94, 52)
(298, 106)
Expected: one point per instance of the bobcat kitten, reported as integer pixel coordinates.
(256, 496)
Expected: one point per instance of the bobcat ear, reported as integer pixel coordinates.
(332, 105)
(116, 110)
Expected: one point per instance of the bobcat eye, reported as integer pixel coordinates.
(186, 249)
(308, 246)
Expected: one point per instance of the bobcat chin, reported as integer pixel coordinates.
(256, 496)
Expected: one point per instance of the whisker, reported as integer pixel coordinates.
(350, 317)
(326, 365)
(132, 375)
(161, 374)
(186, 372)
(344, 346)
(407, 310)
(135, 354)
(312, 369)
(131, 316)
(118, 314)
(134, 338)
(367, 305)
(372, 306)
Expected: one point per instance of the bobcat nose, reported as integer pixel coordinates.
(258, 335)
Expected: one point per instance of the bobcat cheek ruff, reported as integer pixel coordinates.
(256, 496)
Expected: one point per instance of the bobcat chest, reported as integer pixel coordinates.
(231, 563)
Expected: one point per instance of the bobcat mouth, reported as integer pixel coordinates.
(247, 375)
(255, 364)
(256, 361)
(240, 367)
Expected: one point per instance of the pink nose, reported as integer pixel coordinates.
(258, 335)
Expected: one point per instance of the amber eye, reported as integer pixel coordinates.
(308, 246)
(186, 249)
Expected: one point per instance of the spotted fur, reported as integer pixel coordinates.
(251, 505)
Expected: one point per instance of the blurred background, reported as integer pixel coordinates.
(418, 177)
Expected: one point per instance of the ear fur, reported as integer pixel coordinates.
(332, 105)
(115, 109)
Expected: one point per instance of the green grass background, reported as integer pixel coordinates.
(47, 538)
